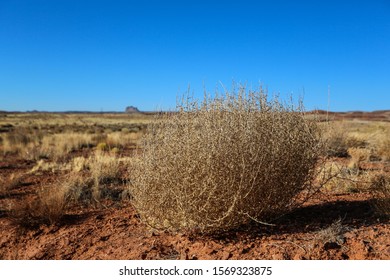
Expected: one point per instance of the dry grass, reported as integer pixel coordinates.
(80, 189)
(57, 145)
(336, 139)
(218, 164)
(31, 145)
(342, 179)
(212, 166)
(343, 135)
(381, 189)
(91, 178)
(79, 164)
(49, 207)
(334, 234)
(54, 136)
(123, 139)
(57, 122)
(3, 186)
(13, 181)
(358, 155)
(47, 166)
(384, 148)
(104, 170)
(87, 182)
(53, 202)
(19, 142)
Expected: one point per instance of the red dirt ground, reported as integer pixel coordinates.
(115, 232)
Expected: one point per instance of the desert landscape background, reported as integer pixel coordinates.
(150, 130)
(64, 194)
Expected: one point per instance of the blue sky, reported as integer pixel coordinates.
(61, 55)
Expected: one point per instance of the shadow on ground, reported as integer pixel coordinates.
(353, 214)
(312, 218)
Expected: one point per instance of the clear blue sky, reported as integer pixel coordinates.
(105, 55)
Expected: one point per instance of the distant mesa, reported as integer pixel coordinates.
(132, 109)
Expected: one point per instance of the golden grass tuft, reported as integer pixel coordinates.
(336, 139)
(104, 169)
(54, 201)
(220, 163)
(49, 207)
(102, 147)
(358, 155)
(58, 145)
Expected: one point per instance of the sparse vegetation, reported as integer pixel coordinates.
(56, 178)
(381, 188)
(48, 208)
(84, 153)
(333, 235)
(384, 149)
(48, 136)
(358, 155)
(336, 140)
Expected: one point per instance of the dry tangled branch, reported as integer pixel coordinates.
(216, 164)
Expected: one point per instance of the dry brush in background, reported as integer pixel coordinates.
(217, 164)
(381, 189)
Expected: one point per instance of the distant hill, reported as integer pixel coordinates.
(379, 115)
(132, 109)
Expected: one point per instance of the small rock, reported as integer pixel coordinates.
(344, 256)
(298, 257)
(331, 245)
(245, 250)
(226, 255)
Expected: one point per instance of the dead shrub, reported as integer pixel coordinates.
(380, 187)
(333, 235)
(217, 164)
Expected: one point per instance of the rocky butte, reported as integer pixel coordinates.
(131, 109)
